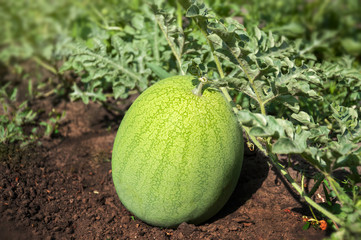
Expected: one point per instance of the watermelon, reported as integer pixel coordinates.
(177, 156)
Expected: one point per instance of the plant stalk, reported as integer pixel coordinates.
(198, 90)
(179, 16)
(315, 187)
(172, 47)
(282, 170)
(273, 157)
(45, 65)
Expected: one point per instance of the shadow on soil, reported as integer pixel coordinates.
(254, 172)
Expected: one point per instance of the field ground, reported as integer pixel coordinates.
(63, 189)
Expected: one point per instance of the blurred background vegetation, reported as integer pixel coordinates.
(37, 29)
(41, 41)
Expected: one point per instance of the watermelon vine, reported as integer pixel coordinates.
(259, 63)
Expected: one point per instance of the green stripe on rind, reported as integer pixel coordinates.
(177, 156)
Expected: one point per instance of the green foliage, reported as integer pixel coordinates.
(32, 29)
(14, 118)
(115, 60)
(288, 80)
(19, 123)
(310, 20)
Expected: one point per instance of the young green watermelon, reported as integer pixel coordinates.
(177, 156)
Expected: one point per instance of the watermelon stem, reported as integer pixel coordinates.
(198, 90)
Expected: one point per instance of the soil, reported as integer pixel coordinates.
(62, 189)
